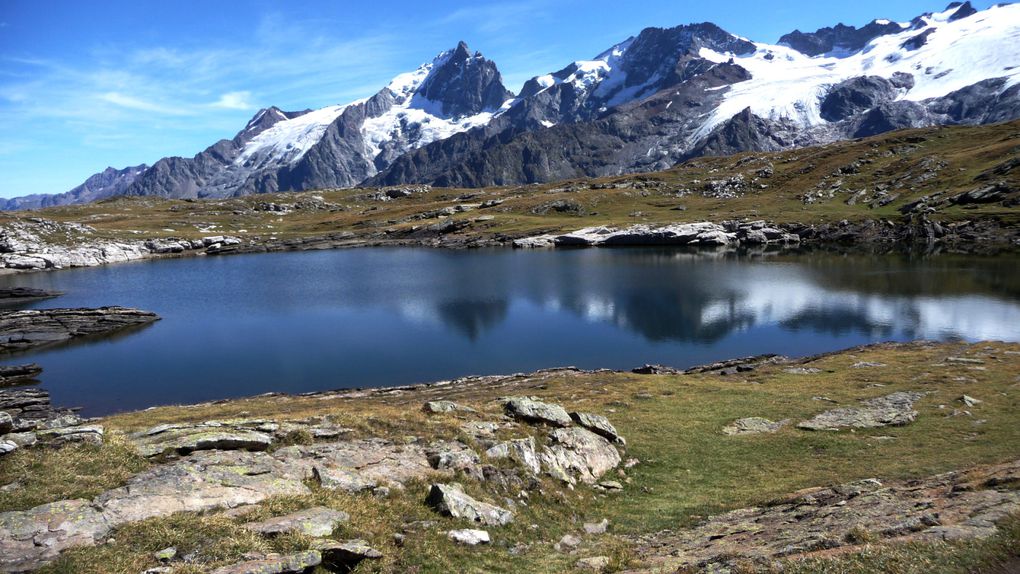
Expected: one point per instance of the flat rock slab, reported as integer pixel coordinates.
(440, 407)
(947, 506)
(288, 564)
(534, 411)
(450, 500)
(469, 537)
(345, 556)
(896, 409)
(206, 436)
(30, 328)
(204, 481)
(22, 294)
(753, 425)
(317, 521)
(597, 424)
(18, 374)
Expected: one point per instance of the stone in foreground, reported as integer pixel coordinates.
(537, 412)
(450, 500)
(344, 556)
(318, 521)
(891, 410)
(578, 454)
(597, 424)
(753, 425)
(289, 564)
(185, 439)
(469, 537)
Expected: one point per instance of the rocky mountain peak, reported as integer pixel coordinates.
(462, 83)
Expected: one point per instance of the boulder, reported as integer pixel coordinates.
(578, 454)
(597, 424)
(536, 412)
(450, 500)
(597, 564)
(275, 564)
(891, 410)
(596, 527)
(438, 407)
(469, 537)
(522, 451)
(7, 447)
(753, 425)
(318, 521)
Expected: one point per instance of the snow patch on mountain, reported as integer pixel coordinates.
(788, 85)
(287, 141)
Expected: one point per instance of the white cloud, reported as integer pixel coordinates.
(234, 101)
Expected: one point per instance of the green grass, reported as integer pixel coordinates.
(688, 468)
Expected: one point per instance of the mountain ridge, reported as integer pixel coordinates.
(662, 96)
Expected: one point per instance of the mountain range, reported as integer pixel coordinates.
(645, 104)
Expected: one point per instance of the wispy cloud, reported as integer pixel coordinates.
(133, 103)
(234, 101)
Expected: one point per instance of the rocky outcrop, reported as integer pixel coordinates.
(597, 424)
(31, 328)
(275, 564)
(578, 454)
(450, 500)
(896, 409)
(18, 374)
(316, 522)
(532, 410)
(695, 234)
(26, 294)
(212, 435)
(344, 556)
(952, 506)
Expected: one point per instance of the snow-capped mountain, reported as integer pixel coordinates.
(644, 104)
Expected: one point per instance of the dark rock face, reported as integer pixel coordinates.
(18, 374)
(107, 183)
(839, 37)
(465, 84)
(855, 96)
(20, 330)
(22, 294)
(965, 10)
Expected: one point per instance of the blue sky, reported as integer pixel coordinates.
(85, 85)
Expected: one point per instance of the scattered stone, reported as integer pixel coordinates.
(316, 522)
(480, 429)
(611, 485)
(275, 564)
(7, 447)
(866, 365)
(599, 425)
(166, 554)
(596, 527)
(802, 370)
(31, 328)
(6, 422)
(469, 537)
(534, 411)
(964, 360)
(970, 401)
(83, 434)
(437, 407)
(567, 543)
(598, 564)
(344, 556)
(891, 410)
(753, 425)
(450, 500)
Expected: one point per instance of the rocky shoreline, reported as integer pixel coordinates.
(24, 245)
(33, 328)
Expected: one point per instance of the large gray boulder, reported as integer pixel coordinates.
(534, 411)
(578, 454)
(450, 500)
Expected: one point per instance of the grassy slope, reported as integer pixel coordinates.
(898, 160)
(688, 470)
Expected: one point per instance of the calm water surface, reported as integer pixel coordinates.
(243, 325)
